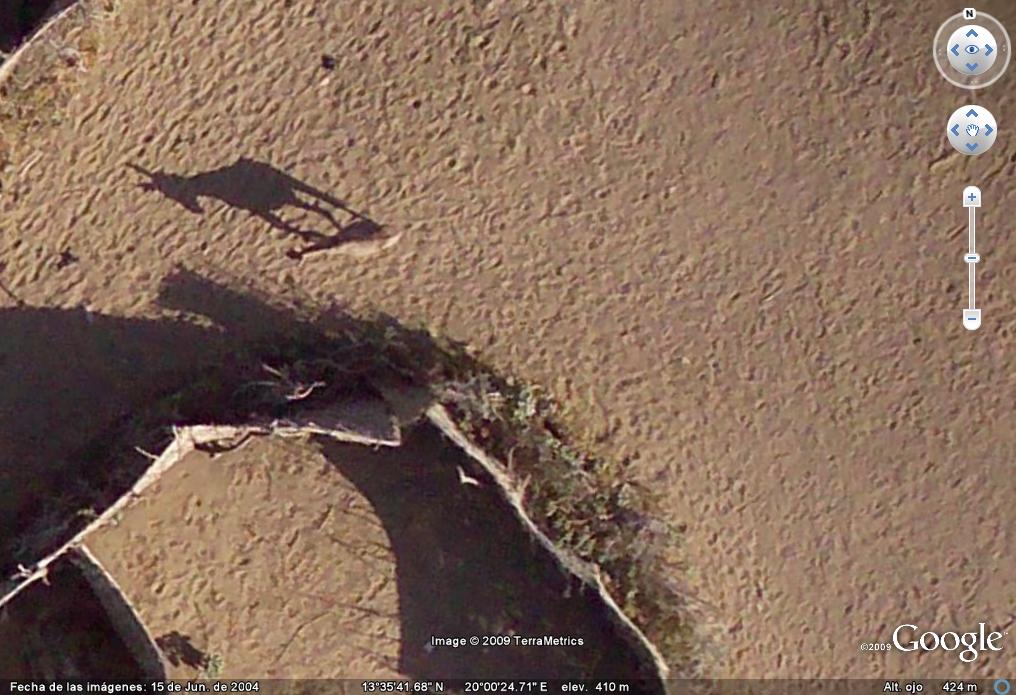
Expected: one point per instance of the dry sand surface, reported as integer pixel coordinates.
(728, 240)
(263, 558)
(289, 560)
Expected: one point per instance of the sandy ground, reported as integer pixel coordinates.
(288, 560)
(264, 558)
(728, 240)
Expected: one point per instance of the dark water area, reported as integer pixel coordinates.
(20, 18)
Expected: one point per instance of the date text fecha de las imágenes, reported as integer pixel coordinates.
(507, 640)
(76, 687)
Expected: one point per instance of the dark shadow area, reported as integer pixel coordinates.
(179, 649)
(68, 376)
(61, 631)
(466, 566)
(20, 18)
(263, 191)
(77, 383)
(82, 390)
(74, 380)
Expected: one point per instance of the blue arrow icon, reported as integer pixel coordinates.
(988, 130)
(956, 50)
(972, 66)
(971, 33)
(988, 50)
(971, 112)
(972, 147)
(955, 130)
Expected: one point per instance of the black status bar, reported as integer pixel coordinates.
(843, 686)
(870, 686)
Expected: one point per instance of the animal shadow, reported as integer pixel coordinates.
(263, 191)
(179, 649)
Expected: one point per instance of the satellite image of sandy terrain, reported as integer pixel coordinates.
(458, 340)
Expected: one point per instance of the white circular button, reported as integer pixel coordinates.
(972, 55)
(971, 129)
(972, 50)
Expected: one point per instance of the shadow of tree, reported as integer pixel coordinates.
(464, 565)
(69, 375)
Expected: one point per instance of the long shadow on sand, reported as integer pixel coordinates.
(464, 564)
(263, 191)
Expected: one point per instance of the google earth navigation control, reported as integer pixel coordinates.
(507, 346)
